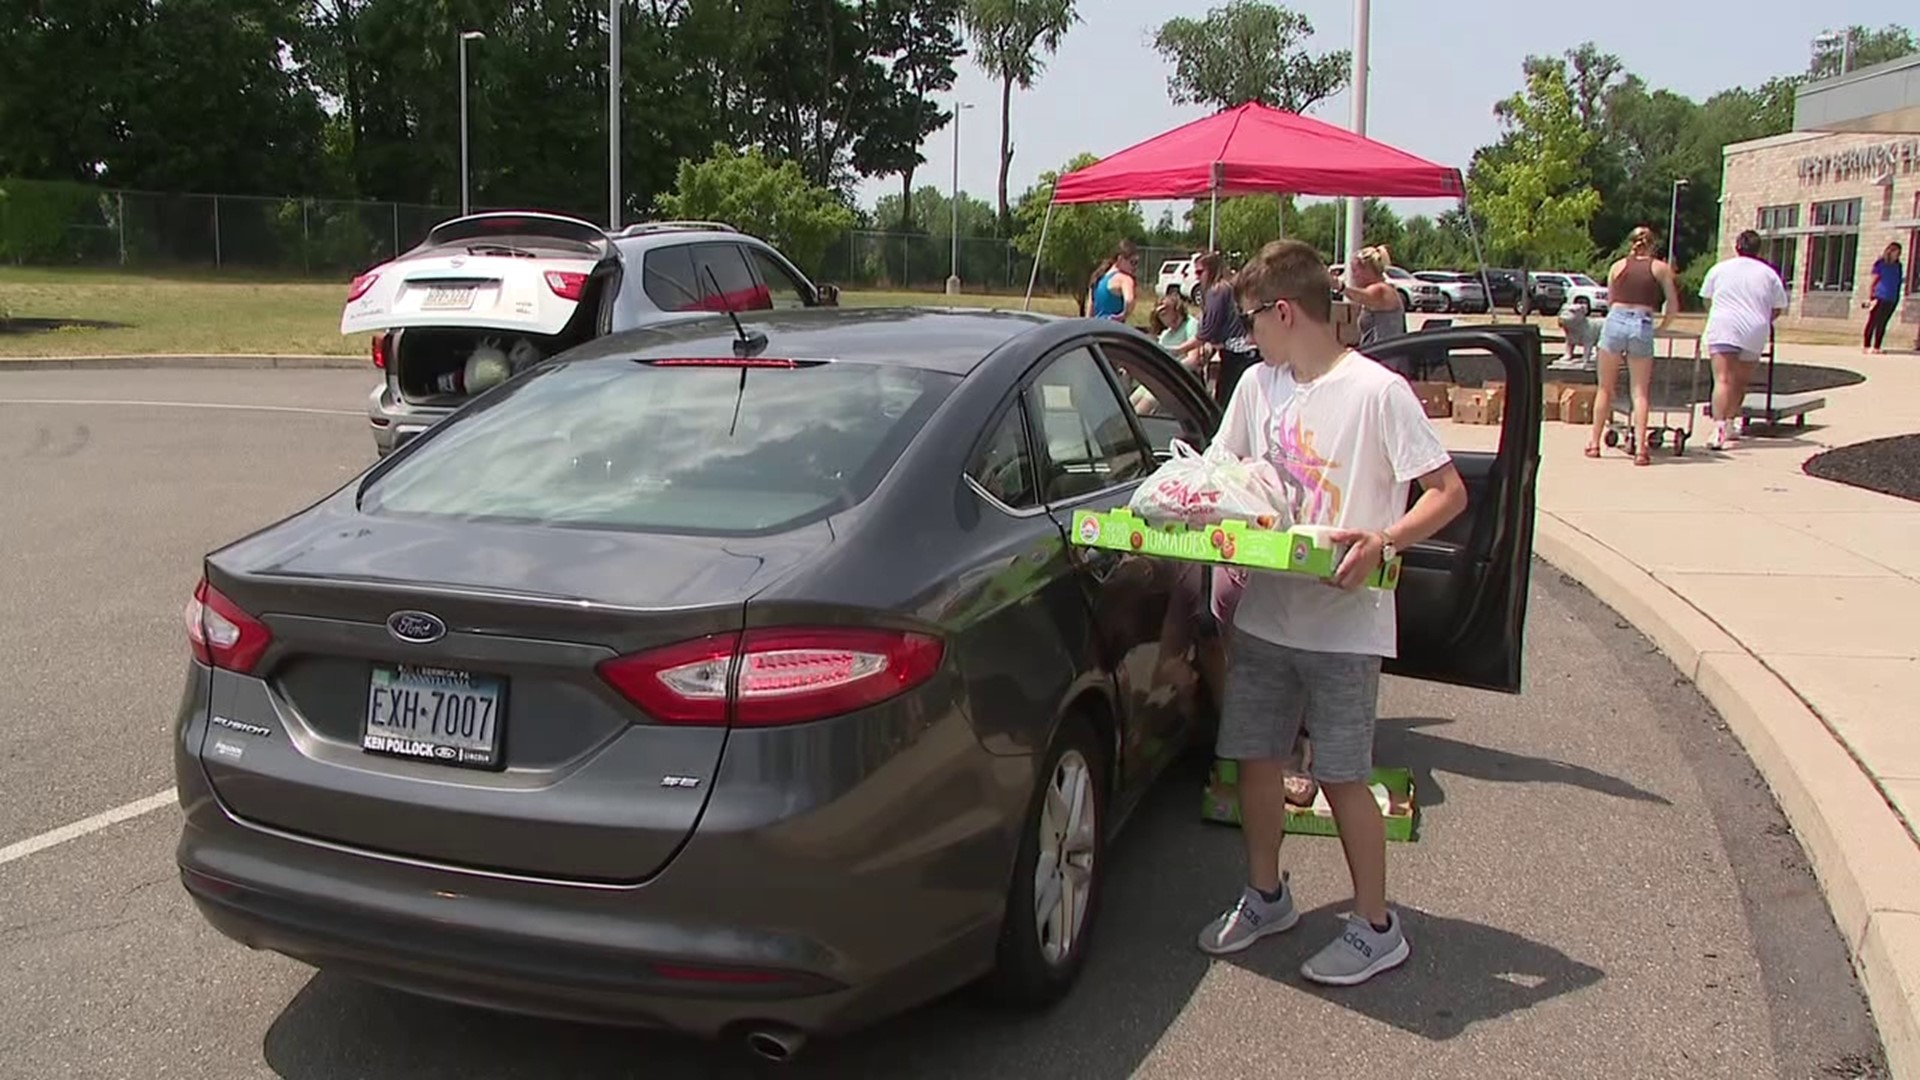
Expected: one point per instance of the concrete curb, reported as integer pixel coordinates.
(199, 362)
(1866, 861)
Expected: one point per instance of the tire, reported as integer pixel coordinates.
(1446, 304)
(1611, 438)
(1028, 974)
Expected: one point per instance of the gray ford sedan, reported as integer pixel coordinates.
(749, 687)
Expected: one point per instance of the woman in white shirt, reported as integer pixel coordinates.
(1747, 295)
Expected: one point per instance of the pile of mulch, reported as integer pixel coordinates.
(1672, 379)
(1889, 466)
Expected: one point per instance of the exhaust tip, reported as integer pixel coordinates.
(777, 1044)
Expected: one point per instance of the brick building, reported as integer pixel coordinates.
(1829, 196)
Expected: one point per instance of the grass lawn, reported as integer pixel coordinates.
(233, 314)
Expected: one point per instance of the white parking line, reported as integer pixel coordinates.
(182, 405)
(85, 825)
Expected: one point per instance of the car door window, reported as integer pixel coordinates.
(725, 266)
(668, 277)
(1004, 466)
(1086, 431)
(784, 290)
(1161, 409)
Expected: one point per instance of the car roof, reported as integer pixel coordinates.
(950, 340)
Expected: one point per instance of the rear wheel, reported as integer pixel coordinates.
(1055, 895)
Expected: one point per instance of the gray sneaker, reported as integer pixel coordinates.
(1359, 953)
(1249, 920)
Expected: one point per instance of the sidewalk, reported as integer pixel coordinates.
(1794, 604)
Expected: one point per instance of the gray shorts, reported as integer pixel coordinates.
(1273, 689)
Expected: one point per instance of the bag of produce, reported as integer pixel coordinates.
(1196, 489)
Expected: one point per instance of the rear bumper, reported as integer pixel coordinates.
(826, 919)
(394, 421)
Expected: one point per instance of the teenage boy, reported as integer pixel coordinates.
(1352, 437)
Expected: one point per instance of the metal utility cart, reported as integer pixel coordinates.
(1661, 430)
(1764, 408)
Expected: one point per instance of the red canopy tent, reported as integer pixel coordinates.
(1253, 149)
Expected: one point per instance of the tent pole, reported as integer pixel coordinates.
(1034, 275)
(1213, 221)
(1486, 284)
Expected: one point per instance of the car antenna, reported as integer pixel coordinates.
(746, 345)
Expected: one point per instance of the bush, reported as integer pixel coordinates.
(775, 202)
(46, 222)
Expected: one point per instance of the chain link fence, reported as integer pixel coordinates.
(51, 223)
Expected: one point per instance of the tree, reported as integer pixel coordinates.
(1249, 51)
(1536, 200)
(1080, 234)
(1009, 37)
(922, 39)
(757, 195)
(1866, 47)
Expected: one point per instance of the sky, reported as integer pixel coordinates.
(1436, 73)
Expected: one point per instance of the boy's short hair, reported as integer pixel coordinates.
(1747, 243)
(1287, 270)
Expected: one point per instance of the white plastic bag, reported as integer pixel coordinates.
(1198, 489)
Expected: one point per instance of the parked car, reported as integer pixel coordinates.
(486, 294)
(1580, 285)
(1505, 290)
(742, 682)
(1458, 292)
(1180, 275)
(1547, 293)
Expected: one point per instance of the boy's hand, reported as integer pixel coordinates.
(1363, 557)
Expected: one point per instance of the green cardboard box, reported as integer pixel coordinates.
(1221, 803)
(1303, 549)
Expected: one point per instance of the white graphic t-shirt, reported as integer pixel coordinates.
(1349, 444)
(1745, 294)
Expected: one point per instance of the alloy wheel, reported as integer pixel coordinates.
(1063, 874)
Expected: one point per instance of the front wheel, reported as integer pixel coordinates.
(1055, 894)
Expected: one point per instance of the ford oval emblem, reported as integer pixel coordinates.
(416, 627)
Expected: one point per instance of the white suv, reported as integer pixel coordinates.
(1178, 274)
(486, 295)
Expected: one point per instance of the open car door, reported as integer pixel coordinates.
(1462, 598)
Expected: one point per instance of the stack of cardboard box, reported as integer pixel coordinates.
(1480, 405)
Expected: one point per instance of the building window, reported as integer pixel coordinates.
(1780, 251)
(1833, 257)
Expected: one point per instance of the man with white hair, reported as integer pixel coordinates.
(1747, 295)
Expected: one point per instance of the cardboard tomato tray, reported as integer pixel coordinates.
(1303, 549)
(1221, 803)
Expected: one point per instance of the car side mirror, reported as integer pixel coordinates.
(829, 296)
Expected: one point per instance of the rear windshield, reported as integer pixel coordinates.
(702, 450)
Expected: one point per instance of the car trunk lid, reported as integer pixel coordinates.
(517, 756)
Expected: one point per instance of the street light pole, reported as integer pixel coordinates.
(953, 273)
(1673, 217)
(466, 196)
(1357, 208)
(613, 115)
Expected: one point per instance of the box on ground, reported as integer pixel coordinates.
(1221, 803)
(1550, 394)
(1576, 404)
(1479, 405)
(1436, 399)
(1303, 549)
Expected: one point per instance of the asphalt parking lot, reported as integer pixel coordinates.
(1601, 887)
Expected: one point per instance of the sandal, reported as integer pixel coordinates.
(1593, 451)
(1643, 458)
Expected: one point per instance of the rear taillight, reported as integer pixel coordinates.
(222, 635)
(769, 677)
(566, 284)
(360, 285)
(381, 343)
(725, 362)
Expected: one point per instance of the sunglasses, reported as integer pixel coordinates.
(1247, 314)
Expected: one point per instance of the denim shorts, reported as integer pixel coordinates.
(1628, 333)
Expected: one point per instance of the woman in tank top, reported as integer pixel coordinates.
(1382, 313)
(1639, 287)
(1110, 292)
